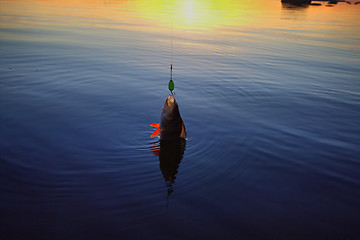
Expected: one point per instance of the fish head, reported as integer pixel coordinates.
(171, 124)
(171, 107)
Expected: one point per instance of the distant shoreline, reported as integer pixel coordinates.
(309, 2)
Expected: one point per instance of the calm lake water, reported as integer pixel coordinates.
(270, 97)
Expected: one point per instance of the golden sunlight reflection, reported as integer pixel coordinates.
(188, 18)
(198, 14)
(183, 14)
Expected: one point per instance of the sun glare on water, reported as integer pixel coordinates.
(190, 20)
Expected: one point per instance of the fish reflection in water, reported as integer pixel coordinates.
(170, 155)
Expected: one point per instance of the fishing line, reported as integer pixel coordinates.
(171, 82)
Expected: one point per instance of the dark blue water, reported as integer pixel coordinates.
(270, 97)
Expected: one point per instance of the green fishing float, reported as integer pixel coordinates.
(171, 85)
(171, 82)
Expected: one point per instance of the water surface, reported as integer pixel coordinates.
(269, 93)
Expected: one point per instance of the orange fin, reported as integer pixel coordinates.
(155, 125)
(183, 131)
(156, 132)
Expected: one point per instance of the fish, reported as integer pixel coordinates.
(171, 126)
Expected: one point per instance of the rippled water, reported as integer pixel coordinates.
(269, 93)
